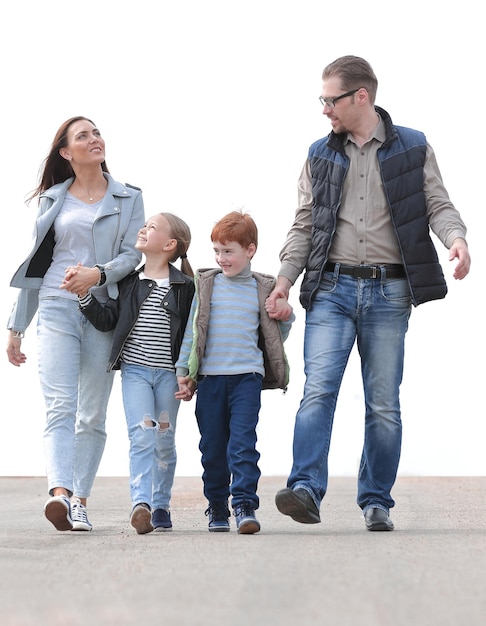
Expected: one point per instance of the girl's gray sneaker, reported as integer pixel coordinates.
(161, 520)
(141, 518)
(218, 515)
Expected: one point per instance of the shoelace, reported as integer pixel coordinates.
(243, 510)
(217, 513)
(79, 512)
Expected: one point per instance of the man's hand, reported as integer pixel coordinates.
(460, 251)
(276, 304)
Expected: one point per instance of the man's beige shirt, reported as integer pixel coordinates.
(364, 233)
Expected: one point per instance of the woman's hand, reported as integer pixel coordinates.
(79, 279)
(14, 354)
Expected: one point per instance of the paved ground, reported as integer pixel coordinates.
(430, 571)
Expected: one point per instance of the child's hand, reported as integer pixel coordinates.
(278, 308)
(187, 387)
(79, 279)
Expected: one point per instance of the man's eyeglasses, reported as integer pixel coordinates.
(331, 102)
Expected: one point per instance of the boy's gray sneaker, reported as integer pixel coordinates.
(246, 522)
(218, 514)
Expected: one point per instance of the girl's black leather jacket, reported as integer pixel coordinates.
(121, 314)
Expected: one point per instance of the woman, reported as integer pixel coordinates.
(85, 235)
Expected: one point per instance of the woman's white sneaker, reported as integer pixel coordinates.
(58, 511)
(79, 516)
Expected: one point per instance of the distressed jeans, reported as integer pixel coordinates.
(73, 361)
(374, 313)
(151, 413)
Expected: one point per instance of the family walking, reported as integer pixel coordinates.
(108, 297)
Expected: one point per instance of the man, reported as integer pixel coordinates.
(368, 194)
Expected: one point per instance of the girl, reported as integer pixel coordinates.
(149, 319)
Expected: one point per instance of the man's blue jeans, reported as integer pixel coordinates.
(151, 412)
(227, 409)
(375, 314)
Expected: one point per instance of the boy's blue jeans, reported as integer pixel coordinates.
(227, 410)
(151, 413)
(374, 313)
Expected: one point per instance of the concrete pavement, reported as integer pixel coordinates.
(430, 571)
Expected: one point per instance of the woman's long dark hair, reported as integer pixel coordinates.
(56, 169)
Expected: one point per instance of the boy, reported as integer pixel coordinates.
(232, 350)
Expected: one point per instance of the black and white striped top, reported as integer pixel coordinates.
(149, 342)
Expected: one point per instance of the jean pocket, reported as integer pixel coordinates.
(397, 290)
(328, 282)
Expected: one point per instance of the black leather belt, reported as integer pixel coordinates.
(367, 271)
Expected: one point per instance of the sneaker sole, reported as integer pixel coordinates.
(57, 513)
(219, 529)
(162, 529)
(81, 526)
(141, 520)
(248, 527)
(290, 504)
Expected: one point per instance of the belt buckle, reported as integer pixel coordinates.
(366, 271)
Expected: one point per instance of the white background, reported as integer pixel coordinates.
(211, 106)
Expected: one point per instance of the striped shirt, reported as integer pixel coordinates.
(234, 320)
(148, 343)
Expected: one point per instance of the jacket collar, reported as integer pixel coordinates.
(336, 141)
(175, 275)
(118, 190)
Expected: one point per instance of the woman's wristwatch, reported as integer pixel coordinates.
(102, 279)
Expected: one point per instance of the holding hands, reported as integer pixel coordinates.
(187, 387)
(276, 305)
(79, 279)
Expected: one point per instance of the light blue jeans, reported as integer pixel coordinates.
(374, 313)
(151, 413)
(73, 360)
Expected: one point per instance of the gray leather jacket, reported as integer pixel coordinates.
(118, 220)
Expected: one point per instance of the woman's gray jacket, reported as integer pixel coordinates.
(117, 222)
